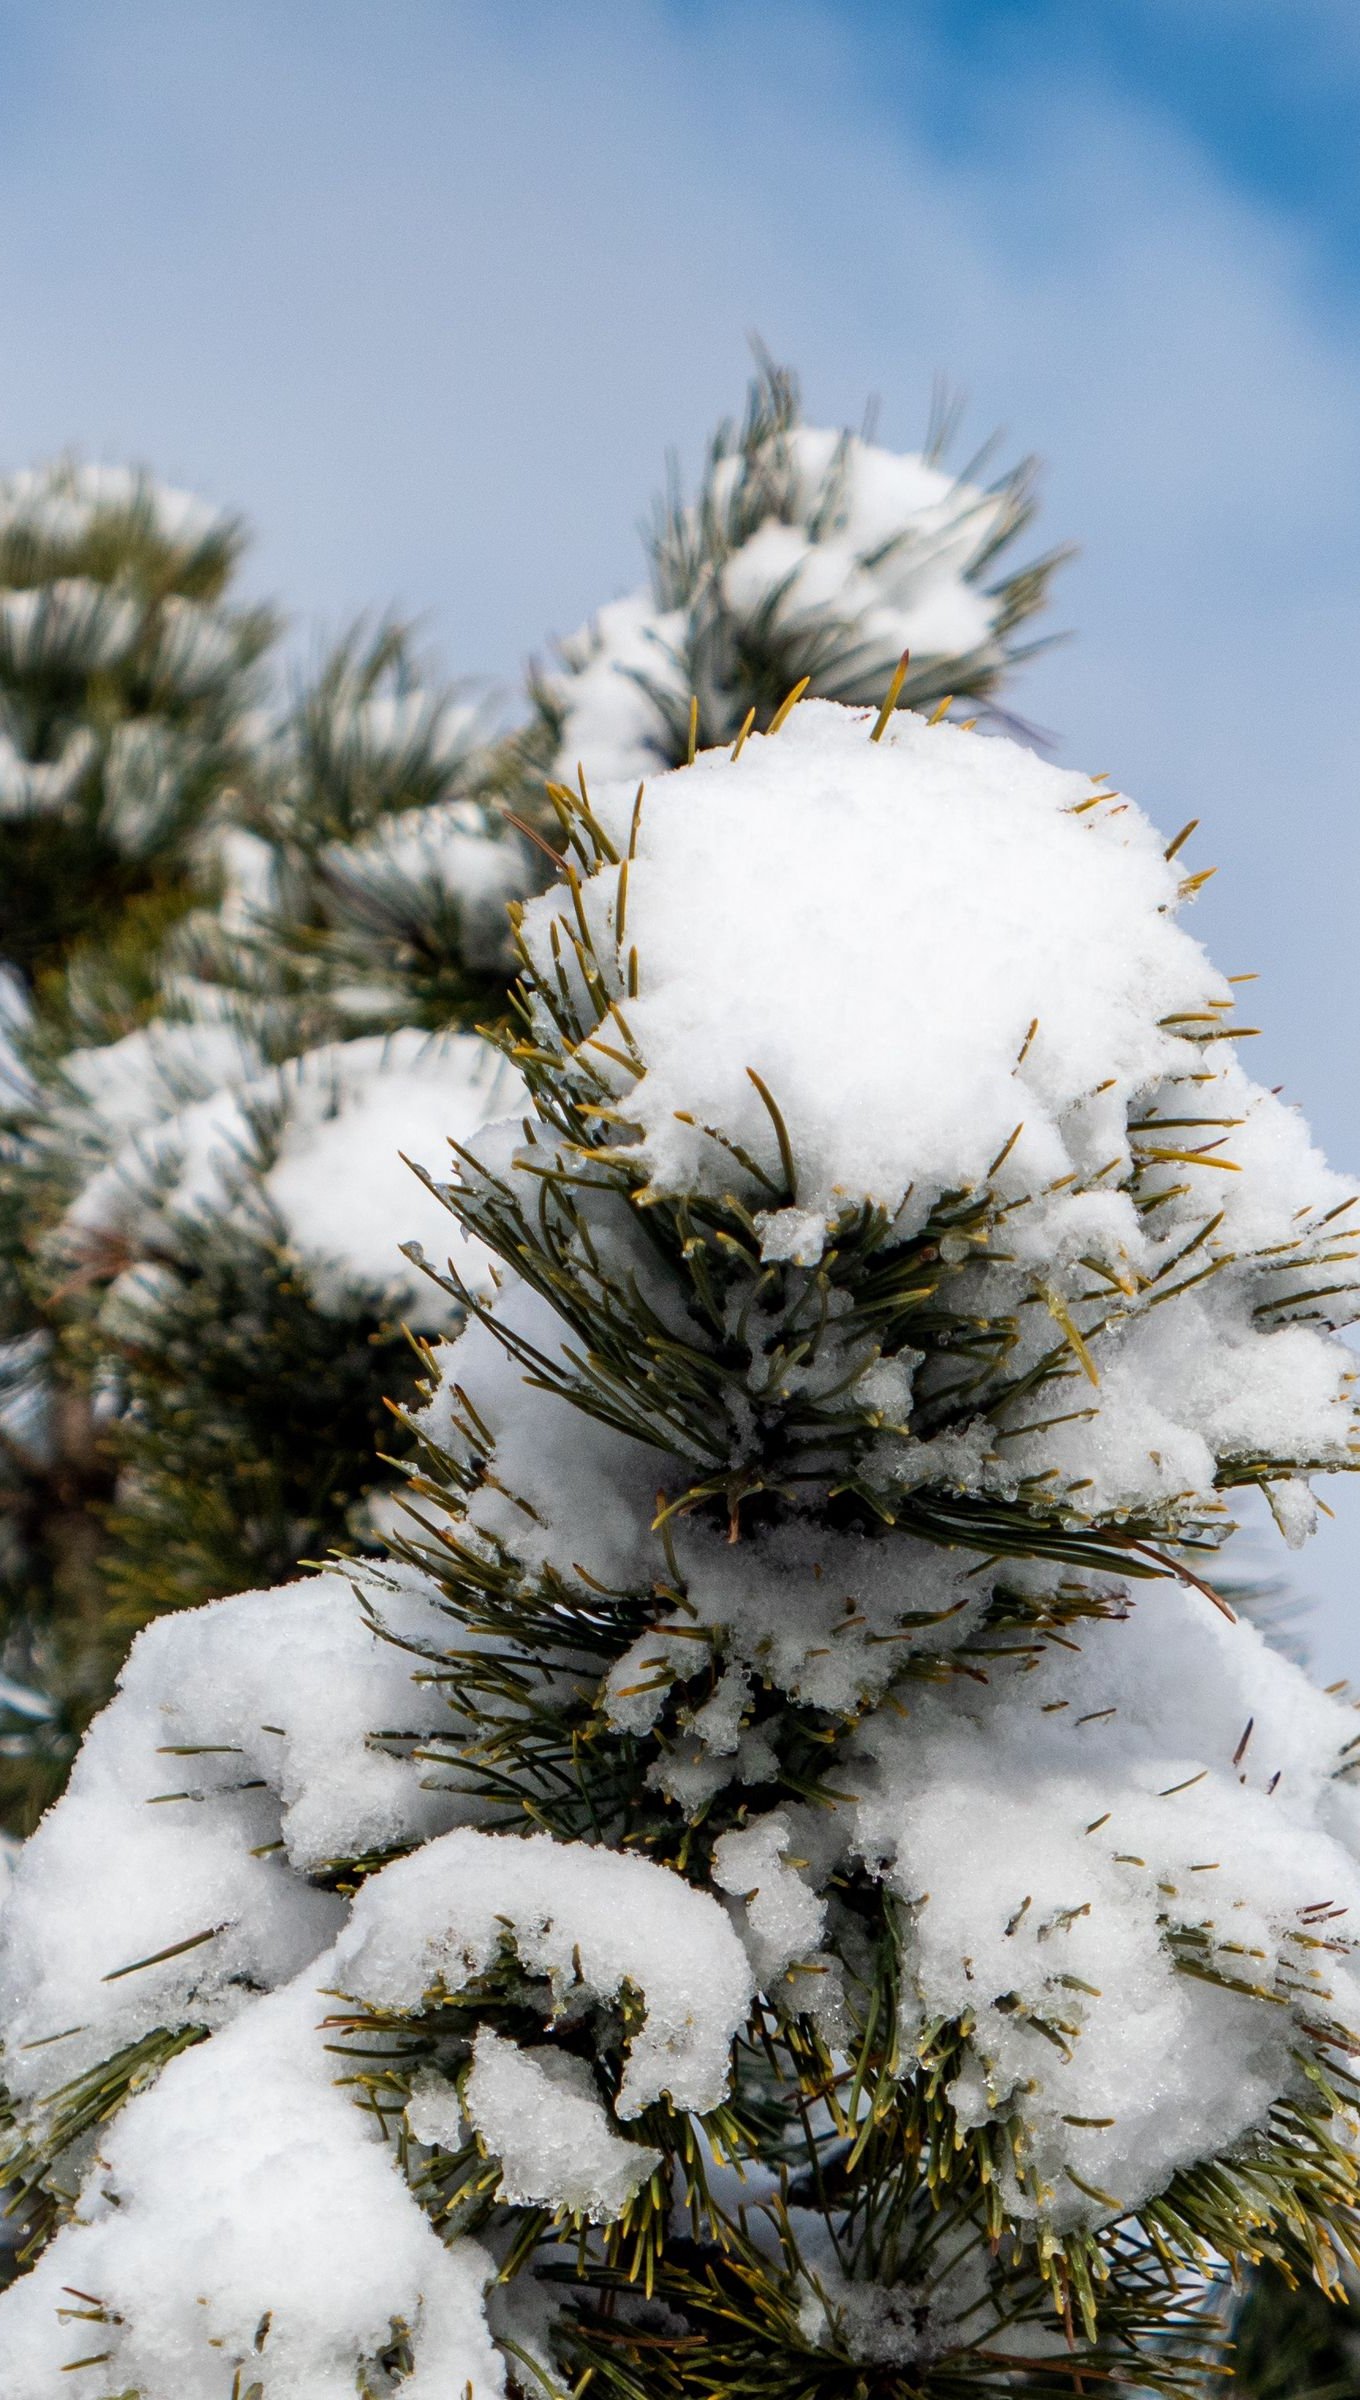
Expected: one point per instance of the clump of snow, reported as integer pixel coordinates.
(861, 554)
(584, 1918)
(247, 2222)
(312, 1152)
(43, 787)
(196, 649)
(62, 504)
(250, 1743)
(1031, 1031)
(1074, 1843)
(567, 1491)
(949, 2307)
(397, 726)
(419, 864)
(797, 1235)
(248, 867)
(127, 1086)
(27, 1399)
(950, 874)
(539, 2111)
(71, 621)
(784, 1915)
(828, 1619)
(604, 691)
(16, 1023)
(340, 1181)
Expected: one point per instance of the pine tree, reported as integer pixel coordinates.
(807, 558)
(220, 1190)
(127, 676)
(212, 1190)
(121, 699)
(788, 1880)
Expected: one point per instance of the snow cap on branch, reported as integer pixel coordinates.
(806, 552)
(312, 1153)
(934, 982)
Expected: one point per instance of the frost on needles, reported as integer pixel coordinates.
(789, 1880)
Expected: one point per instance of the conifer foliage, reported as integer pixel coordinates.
(806, 558)
(236, 1213)
(127, 679)
(121, 699)
(209, 1193)
(787, 1879)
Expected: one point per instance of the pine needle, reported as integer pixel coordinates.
(781, 1133)
(1058, 1310)
(891, 697)
(531, 834)
(1180, 839)
(788, 704)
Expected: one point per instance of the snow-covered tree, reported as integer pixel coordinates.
(211, 1194)
(127, 680)
(807, 557)
(219, 1184)
(123, 677)
(788, 1880)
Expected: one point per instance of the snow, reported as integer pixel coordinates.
(828, 1619)
(196, 648)
(895, 560)
(584, 1918)
(72, 618)
(238, 1758)
(567, 1491)
(391, 725)
(131, 1084)
(784, 1916)
(16, 1027)
(314, 1150)
(1051, 1833)
(248, 2221)
(341, 1183)
(31, 788)
(539, 2111)
(62, 503)
(882, 547)
(1030, 1025)
(419, 863)
(249, 868)
(145, 767)
(27, 1405)
(933, 863)
(608, 716)
(950, 2307)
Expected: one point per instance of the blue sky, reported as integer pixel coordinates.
(1268, 88)
(427, 288)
